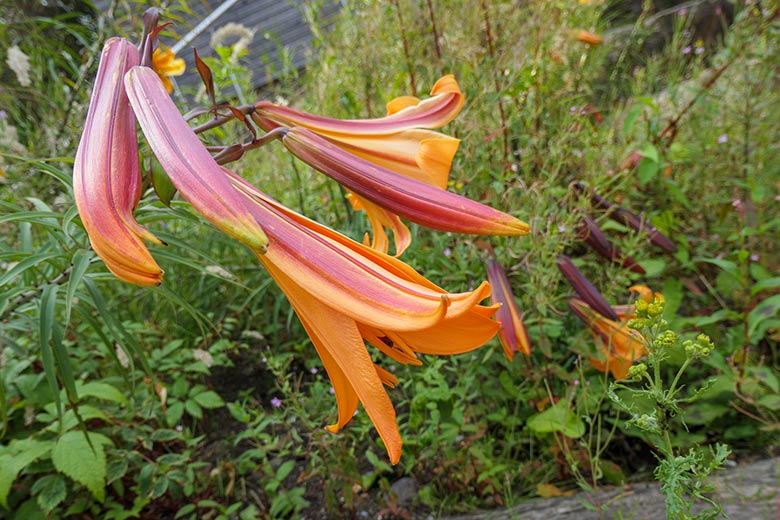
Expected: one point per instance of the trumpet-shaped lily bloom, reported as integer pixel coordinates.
(187, 162)
(106, 173)
(343, 292)
(513, 334)
(166, 64)
(401, 142)
(412, 199)
(620, 345)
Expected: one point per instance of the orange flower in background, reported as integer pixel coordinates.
(620, 345)
(166, 64)
(588, 37)
(107, 176)
(401, 142)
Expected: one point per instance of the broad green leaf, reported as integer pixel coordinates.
(558, 418)
(768, 283)
(14, 458)
(50, 491)
(101, 390)
(73, 457)
(209, 399)
(762, 317)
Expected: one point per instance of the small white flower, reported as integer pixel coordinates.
(20, 64)
(204, 356)
(217, 270)
(122, 357)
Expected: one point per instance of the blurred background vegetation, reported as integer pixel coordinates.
(203, 398)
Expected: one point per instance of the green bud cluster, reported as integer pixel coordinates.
(646, 422)
(636, 372)
(701, 348)
(666, 339)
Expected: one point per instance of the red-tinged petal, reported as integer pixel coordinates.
(409, 198)
(338, 335)
(433, 112)
(189, 165)
(513, 334)
(106, 173)
(584, 288)
(365, 284)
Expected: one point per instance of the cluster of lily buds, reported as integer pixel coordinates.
(627, 218)
(344, 292)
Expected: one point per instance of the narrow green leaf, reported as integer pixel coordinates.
(79, 264)
(45, 324)
(25, 264)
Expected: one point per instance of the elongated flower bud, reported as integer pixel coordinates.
(584, 288)
(193, 171)
(627, 218)
(409, 198)
(513, 334)
(592, 234)
(106, 174)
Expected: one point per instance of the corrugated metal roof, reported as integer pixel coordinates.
(278, 25)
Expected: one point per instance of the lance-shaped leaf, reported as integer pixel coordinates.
(189, 165)
(584, 288)
(627, 218)
(513, 334)
(592, 234)
(107, 176)
(417, 201)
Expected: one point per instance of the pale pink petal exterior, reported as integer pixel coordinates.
(194, 172)
(106, 173)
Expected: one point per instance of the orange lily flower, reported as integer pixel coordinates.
(401, 142)
(187, 162)
(620, 345)
(166, 64)
(513, 334)
(343, 291)
(106, 173)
